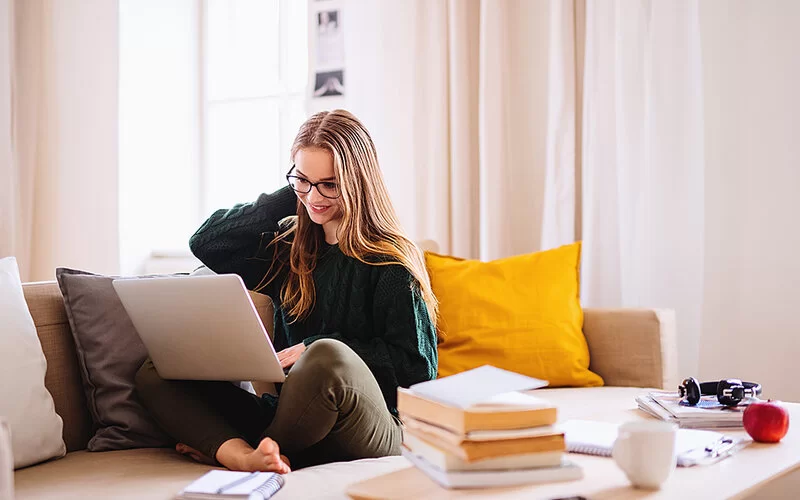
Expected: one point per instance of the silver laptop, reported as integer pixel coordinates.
(200, 328)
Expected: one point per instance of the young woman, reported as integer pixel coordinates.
(354, 315)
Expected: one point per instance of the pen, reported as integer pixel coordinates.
(720, 447)
(239, 481)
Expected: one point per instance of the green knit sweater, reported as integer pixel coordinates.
(378, 311)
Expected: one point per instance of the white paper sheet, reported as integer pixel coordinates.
(478, 386)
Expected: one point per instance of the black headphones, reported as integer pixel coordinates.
(729, 392)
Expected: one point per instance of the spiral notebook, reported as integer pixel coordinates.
(693, 447)
(225, 484)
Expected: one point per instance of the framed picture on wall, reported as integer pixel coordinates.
(329, 83)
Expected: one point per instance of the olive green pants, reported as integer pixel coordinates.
(330, 409)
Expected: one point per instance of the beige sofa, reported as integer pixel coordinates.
(629, 349)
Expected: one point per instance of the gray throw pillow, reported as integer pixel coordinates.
(109, 354)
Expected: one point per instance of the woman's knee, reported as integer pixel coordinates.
(328, 351)
(329, 356)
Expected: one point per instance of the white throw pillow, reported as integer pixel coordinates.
(24, 401)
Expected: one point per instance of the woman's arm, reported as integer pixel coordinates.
(229, 239)
(403, 351)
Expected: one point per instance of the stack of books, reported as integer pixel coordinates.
(507, 438)
(709, 414)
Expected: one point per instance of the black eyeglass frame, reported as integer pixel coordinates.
(311, 185)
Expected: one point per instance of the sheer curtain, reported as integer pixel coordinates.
(499, 137)
(643, 162)
(472, 105)
(20, 92)
(7, 175)
(59, 123)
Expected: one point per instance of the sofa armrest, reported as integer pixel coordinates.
(632, 347)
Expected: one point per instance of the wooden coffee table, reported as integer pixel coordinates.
(738, 476)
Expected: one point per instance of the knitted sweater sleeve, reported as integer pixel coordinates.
(235, 240)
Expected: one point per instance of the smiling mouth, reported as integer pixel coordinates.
(318, 209)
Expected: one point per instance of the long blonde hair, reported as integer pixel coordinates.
(370, 230)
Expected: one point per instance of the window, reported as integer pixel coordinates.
(212, 93)
(255, 70)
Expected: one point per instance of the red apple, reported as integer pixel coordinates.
(766, 421)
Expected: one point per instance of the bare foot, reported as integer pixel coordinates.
(236, 454)
(195, 455)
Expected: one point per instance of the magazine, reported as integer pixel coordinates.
(708, 414)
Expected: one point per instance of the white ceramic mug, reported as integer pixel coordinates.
(645, 451)
(6, 462)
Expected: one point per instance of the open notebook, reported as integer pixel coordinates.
(694, 447)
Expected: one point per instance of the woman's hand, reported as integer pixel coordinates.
(289, 356)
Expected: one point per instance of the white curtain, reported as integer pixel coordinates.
(643, 162)
(472, 105)
(58, 135)
(20, 91)
(497, 135)
(7, 175)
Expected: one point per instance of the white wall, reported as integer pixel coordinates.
(379, 74)
(345, 8)
(77, 175)
(752, 128)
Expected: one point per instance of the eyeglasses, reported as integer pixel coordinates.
(303, 186)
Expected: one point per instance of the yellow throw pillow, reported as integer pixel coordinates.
(521, 314)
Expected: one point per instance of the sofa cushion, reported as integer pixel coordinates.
(521, 314)
(140, 473)
(109, 354)
(24, 401)
(159, 473)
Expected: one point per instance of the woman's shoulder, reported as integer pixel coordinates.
(381, 269)
(392, 273)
